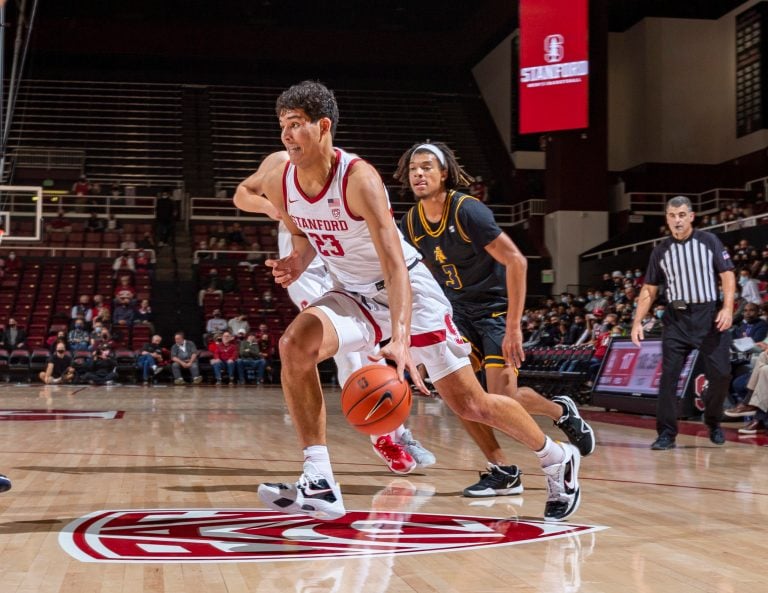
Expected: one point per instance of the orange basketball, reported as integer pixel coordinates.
(374, 400)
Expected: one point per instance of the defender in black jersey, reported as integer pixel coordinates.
(482, 272)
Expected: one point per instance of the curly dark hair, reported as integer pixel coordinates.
(313, 98)
(457, 176)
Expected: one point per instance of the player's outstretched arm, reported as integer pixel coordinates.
(250, 193)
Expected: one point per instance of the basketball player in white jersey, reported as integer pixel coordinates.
(336, 206)
(401, 452)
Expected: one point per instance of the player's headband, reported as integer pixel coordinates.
(434, 150)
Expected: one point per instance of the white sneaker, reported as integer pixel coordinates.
(311, 495)
(423, 457)
(563, 493)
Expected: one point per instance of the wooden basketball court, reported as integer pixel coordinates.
(687, 520)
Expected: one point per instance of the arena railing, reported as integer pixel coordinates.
(724, 227)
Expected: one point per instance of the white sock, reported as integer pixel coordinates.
(551, 453)
(318, 456)
(394, 435)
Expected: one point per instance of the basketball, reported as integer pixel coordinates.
(374, 400)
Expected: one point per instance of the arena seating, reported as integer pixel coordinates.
(556, 370)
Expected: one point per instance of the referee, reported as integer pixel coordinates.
(688, 263)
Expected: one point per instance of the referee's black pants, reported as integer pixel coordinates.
(683, 332)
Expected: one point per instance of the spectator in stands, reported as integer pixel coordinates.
(479, 189)
(14, 337)
(59, 225)
(550, 332)
(97, 330)
(101, 370)
(756, 401)
(164, 219)
(225, 353)
(202, 252)
(235, 236)
(210, 289)
(59, 368)
(12, 263)
(267, 303)
(124, 263)
(601, 342)
(125, 289)
(254, 257)
(152, 358)
(143, 262)
(184, 356)
(124, 313)
(55, 338)
(143, 315)
(750, 290)
(229, 284)
(743, 253)
(219, 232)
(113, 224)
(82, 310)
(216, 323)
(101, 340)
(78, 337)
(575, 330)
(639, 278)
(146, 241)
(266, 347)
(239, 323)
(101, 310)
(251, 358)
(751, 326)
(607, 282)
(128, 243)
(81, 187)
(759, 268)
(94, 224)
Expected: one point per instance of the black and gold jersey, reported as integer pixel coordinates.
(454, 251)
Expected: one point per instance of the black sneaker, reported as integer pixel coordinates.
(663, 443)
(716, 435)
(5, 483)
(499, 480)
(579, 433)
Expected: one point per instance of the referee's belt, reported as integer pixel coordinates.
(380, 284)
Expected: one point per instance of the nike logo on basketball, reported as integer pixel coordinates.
(387, 395)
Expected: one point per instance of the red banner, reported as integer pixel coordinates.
(554, 65)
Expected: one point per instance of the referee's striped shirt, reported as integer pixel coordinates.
(690, 269)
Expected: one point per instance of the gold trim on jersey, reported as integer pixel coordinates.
(456, 216)
(443, 217)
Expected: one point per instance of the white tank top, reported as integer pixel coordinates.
(341, 239)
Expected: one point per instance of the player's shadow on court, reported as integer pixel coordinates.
(189, 470)
(39, 526)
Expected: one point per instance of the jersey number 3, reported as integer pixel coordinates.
(327, 245)
(453, 280)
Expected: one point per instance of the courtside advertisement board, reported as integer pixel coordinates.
(630, 370)
(554, 65)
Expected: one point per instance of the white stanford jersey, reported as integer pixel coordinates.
(341, 239)
(313, 283)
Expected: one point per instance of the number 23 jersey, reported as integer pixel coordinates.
(341, 239)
